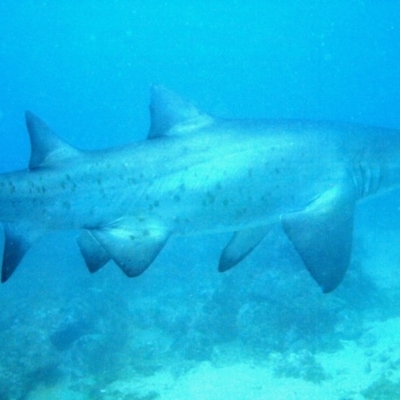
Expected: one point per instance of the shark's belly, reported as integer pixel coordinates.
(231, 195)
(231, 191)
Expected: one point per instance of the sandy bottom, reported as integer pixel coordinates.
(348, 374)
(366, 369)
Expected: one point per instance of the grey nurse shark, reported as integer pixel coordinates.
(200, 174)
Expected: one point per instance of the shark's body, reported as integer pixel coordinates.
(198, 174)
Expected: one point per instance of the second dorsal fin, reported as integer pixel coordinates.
(47, 149)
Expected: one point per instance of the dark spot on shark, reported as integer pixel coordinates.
(177, 198)
(325, 250)
(239, 213)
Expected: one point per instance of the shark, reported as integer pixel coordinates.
(200, 174)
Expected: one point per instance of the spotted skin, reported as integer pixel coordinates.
(197, 174)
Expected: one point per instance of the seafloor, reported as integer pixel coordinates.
(183, 331)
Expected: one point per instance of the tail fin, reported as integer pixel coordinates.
(18, 238)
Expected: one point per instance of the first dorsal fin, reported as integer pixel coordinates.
(168, 110)
(47, 148)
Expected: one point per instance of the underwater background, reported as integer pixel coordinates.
(182, 330)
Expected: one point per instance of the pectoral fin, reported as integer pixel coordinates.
(132, 249)
(241, 244)
(322, 235)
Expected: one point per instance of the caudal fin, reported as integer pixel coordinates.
(18, 238)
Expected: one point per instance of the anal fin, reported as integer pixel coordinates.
(241, 244)
(132, 249)
(322, 235)
(93, 253)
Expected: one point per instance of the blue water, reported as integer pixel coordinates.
(86, 67)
